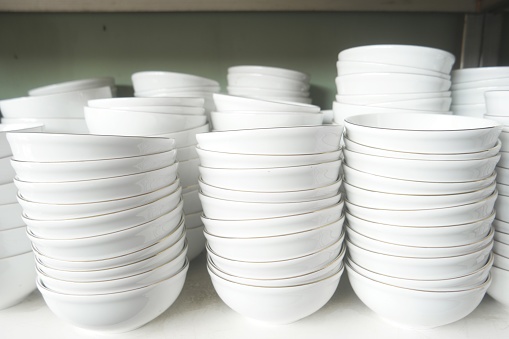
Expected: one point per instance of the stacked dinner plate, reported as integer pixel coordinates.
(420, 192)
(273, 217)
(104, 215)
(16, 258)
(172, 84)
(270, 83)
(469, 86)
(392, 79)
(497, 109)
(59, 107)
(176, 118)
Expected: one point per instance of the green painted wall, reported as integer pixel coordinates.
(39, 49)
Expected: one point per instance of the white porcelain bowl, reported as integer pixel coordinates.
(266, 81)
(117, 122)
(276, 305)
(504, 160)
(502, 237)
(496, 102)
(501, 261)
(53, 125)
(500, 248)
(186, 91)
(178, 110)
(228, 121)
(481, 83)
(274, 141)
(115, 312)
(97, 189)
(5, 148)
(187, 137)
(57, 105)
(282, 247)
(419, 268)
(226, 103)
(498, 288)
(474, 95)
(440, 236)
(423, 133)
(431, 104)
(427, 217)
(11, 216)
(8, 193)
(52, 147)
(269, 70)
(90, 170)
(501, 226)
(146, 102)
(478, 73)
(502, 175)
(345, 67)
(196, 240)
(469, 110)
(374, 99)
(428, 58)
(501, 208)
(504, 120)
(73, 86)
(265, 93)
(273, 179)
(416, 309)
(14, 242)
(143, 81)
(18, 279)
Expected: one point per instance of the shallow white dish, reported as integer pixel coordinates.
(501, 226)
(18, 279)
(469, 110)
(226, 103)
(266, 81)
(187, 137)
(498, 288)
(374, 99)
(179, 110)
(73, 86)
(501, 261)
(432, 104)
(269, 70)
(481, 83)
(502, 175)
(474, 95)
(147, 80)
(54, 125)
(5, 148)
(478, 73)
(228, 121)
(266, 93)
(499, 247)
(345, 67)
(146, 102)
(501, 206)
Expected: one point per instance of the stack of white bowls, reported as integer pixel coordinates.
(176, 118)
(59, 107)
(104, 215)
(172, 84)
(273, 218)
(270, 83)
(420, 193)
(469, 86)
(16, 258)
(497, 109)
(392, 79)
(234, 113)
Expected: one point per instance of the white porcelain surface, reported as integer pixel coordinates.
(501, 208)
(228, 121)
(500, 247)
(501, 225)
(501, 261)
(431, 104)
(5, 148)
(469, 110)
(496, 103)
(478, 73)
(179, 110)
(187, 137)
(14, 242)
(146, 102)
(266, 93)
(73, 86)
(374, 99)
(504, 160)
(474, 95)
(345, 67)
(18, 279)
(54, 125)
(502, 175)
(266, 81)
(502, 237)
(270, 70)
(226, 103)
(11, 216)
(6, 171)
(498, 288)
(148, 80)
(481, 83)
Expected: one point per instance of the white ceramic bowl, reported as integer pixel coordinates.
(501, 208)
(498, 287)
(447, 171)
(419, 268)
(188, 172)
(441, 236)
(502, 175)
(266, 81)
(416, 309)
(478, 73)
(474, 95)
(73, 86)
(58, 105)
(481, 83)
(187, 137)
(345, 67)
(374, 99)
(281, 247)
(11, 216)
(500, 247)
(427, 217)
(259, 92)
(51, 147)
(504, 160)
(14, 242)
(90, 170)
(274, 141)
(469, 110)
(391, 185)
(501, 226)
(97, 189)
(143, 81)
(118, 122)
(226, 103)
(146, 102)
(279, 269)
(431, 104)
(228, 121)
(54, 125)
(423, 133)
(115, 312)
(504, 120)
(269, 70)
(276, 305)
(221, 209)
(271, 197)
(108, 245)
(387, 83)
(382, 200)
(8, 193)
(428, 58)
(180, 110)
(107, 223)
(5, 148)
(196, 240)
(496, 103)
(501, 261)
(18, 279)
(187, 91)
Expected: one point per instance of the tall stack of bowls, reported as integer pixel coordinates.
(16, 258)
(234, 112)
(176, 118)
(172, 84)
(59, 107)
(420, 196)
(273, 217)
(469, 86)
(270, 83)
(392, 79)
(497, 109)
(104, 215)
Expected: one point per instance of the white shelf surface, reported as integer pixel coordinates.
(199, 313)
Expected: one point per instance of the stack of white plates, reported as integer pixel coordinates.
(420, 192)
(497, 109)
(270, 83)
(469, 86)
(176, 118)
(273, 217)
(234, 113)
(392, 79)
(16, 258)
(104, 215)
(59, 107)
(172, 84)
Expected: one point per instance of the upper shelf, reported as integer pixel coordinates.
(448, 6)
